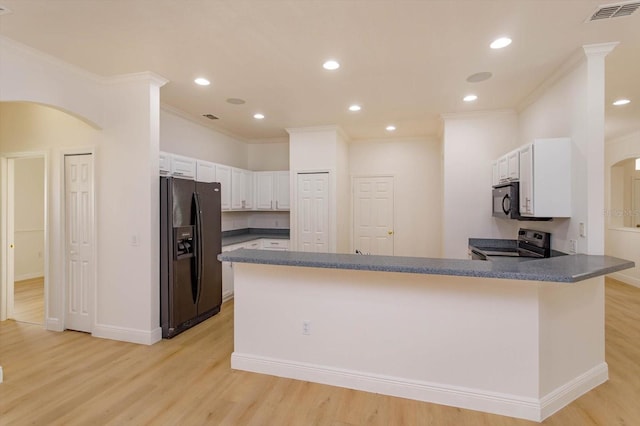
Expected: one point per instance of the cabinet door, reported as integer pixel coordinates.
(526, 180)
(495, 178)
(513, 158)
(248, 189)
(237, 189)
(223, 175)
(183, 167)
(264, 190)
(503, 169)
(205, 171)
(282, 192)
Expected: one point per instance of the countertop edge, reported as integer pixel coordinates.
(568, 269)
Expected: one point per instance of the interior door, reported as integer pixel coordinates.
(373, 215)
(635, 199)
(79, 242)
(313, 212)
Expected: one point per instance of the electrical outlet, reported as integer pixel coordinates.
(583, 229)
(306, 327)
(573, 246)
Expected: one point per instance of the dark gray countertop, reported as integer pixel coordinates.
(563, 269)
(249, 234)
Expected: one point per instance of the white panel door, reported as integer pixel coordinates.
(79, 242)
(635, 203)
(373, 215)
(313, 212)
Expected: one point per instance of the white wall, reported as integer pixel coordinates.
(315, 149)
(415, 165)
(28, 218)
(126, 110)
(471, 143)
(620, 241)
(265, 157)
(179, 135)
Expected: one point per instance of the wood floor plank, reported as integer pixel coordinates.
(71, 378)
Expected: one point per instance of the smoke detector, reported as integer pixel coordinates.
(4, 10)
(614, 10)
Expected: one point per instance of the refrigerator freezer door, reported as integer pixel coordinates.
(210, 297)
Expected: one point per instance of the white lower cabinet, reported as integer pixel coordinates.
(259, 244)
(275, 244)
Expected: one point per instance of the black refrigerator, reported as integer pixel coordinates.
(190, 241)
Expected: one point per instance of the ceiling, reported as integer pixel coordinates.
(406, 62)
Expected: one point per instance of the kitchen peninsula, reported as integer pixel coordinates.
(521, 339)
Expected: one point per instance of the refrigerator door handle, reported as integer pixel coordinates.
(198, 247)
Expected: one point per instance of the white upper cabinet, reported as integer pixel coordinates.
(513, 160)
(495, 178)
(205, 171)
(165, 164)
(264, 190)
(183, 167)
(223, 175)
(508, 167)
(282, 191)
(241, 189)
(545, 178)
(272, 190)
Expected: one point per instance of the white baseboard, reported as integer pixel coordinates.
(127, 334)
(53, 324)
(627, 279)
(472, 399)
(565, 394)
(227, 296)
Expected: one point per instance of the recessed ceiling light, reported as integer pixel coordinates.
(470, 98)
(236, 101)
(390, 128)
(500, 43)
(479, 76)
(331, 65)
(258, 116)
(201, 81)
(621, 102)
(355, 108)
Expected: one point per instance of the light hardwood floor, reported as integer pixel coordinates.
(72, 378)
(28, 303)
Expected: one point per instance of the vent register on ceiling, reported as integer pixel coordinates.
(615, 10)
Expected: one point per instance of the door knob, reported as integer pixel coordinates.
(390, 232)
(10, 245)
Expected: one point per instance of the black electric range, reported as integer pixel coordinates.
(530, 243)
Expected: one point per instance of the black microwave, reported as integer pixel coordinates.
(506, 200)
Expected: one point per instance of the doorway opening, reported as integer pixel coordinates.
(25, 218)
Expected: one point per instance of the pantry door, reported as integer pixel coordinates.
(313, 212)
(79, 243)
(373, 215)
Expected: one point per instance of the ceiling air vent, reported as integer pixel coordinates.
(210, 116)
(615, 10)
